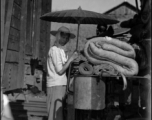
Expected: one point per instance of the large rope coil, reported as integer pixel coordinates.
(118, 54)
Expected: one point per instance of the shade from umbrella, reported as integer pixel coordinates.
(78, 16)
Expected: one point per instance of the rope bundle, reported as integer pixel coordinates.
(112, 54)
(120, 55)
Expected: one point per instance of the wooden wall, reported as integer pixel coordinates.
(25, 37)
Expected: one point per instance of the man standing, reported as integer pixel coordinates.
(57, 64)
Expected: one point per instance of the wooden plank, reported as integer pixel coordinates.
(6, 8)
(14, 32)
(42, 35)
(49, 5)
(27, 69)
(36, 105)
(46, 34)
(37, 28)
(20, 76)
(28, 47)
(6, 34)
(29, 79)
(17, 11)
(2, 22)
(13, 79)
(30, 108)
(33, 29)
(27, 59)
(41, 50)
(12, 56)
(6, 76)
(13, 43)
(14, 39)
(37, 113)
(9, 77)
(47, 43)
(43, 32)
(2, 27)
(18, 2)
(15, 23)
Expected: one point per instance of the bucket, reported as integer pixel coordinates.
(89, 93)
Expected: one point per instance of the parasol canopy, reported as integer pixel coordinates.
(78, 16)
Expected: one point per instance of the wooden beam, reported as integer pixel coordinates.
(2, 23)
(37, 27)
(2, 29)
(6, 33)
(20, 77)
(33, 30)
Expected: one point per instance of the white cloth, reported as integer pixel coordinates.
(5, 101)
(55, 61)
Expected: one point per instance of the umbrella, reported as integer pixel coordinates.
(78, 16)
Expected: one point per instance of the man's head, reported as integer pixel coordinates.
(101, 29)
(63, 35)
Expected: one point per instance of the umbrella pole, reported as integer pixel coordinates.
(77, 36)
(137, 6)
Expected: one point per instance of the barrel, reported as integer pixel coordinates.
(89, 93)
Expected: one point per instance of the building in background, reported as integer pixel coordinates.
(122, 12)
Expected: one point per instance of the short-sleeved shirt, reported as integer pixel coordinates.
(55, 61)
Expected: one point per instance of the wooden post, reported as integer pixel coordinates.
(20, 76)
(33, 30)
(2, 29)
(2, 23)
(37, 27)
(6, 33)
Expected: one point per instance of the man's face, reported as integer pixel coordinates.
(100, 30)
(64, 38)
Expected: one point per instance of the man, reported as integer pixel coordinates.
(141, 35)
(103, 31)
(57, 64)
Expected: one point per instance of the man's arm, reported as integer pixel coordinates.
(66, 65)
(57, 61)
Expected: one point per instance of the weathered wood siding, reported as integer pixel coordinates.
(25, 36)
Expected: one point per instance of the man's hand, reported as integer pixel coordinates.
(74, 56)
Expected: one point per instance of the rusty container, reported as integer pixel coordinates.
(89, 93)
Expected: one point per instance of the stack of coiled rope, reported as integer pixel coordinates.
(113, 52)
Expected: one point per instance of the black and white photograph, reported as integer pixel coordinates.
(75, 59)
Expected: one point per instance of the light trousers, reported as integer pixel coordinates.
(55, 96)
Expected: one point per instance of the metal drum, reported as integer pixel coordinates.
(89, 93)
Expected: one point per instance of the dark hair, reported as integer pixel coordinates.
(99, 26)
(110, 31)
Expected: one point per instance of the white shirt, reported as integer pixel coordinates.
(55, 61)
